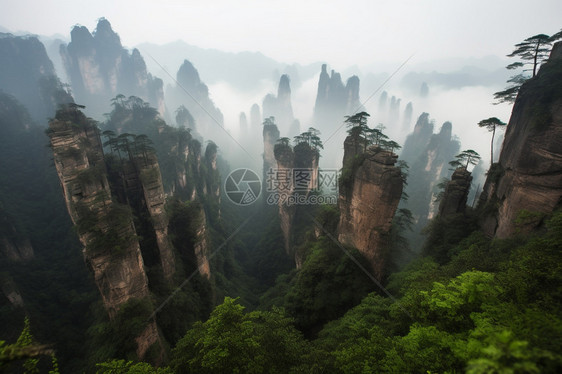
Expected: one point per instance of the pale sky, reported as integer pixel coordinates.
(342, 32)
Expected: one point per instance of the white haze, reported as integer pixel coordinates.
(370, 38)
(463, 107)
(345, 33)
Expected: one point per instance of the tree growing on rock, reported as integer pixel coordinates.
(465, 158)
(532, 52)
(376, 135)
(358, 128)
(284, 141)
(269, 121)
(491, 124)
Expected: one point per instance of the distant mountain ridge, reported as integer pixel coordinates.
(244, 70)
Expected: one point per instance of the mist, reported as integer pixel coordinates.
(443, 104)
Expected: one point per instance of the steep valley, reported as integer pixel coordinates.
(131, 240)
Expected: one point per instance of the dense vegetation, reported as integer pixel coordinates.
(492, 306)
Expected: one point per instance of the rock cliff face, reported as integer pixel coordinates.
(280, 106)
(304, 158)
(213, 178)
(27, 73)
(100, 68)
(334, 101)
(370, 191)
(456, 193)
(105, 228)
(527, 181)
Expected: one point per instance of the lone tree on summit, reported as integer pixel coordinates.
(269, 121)
(491, 124)
(469, 156)
(358, 128)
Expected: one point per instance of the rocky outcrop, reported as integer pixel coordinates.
(187, 154)
(353, 103)
(201, 246)
(456, 193)
(119, 272)
(526, 184)
(323, 87)
(212, 182)
(191, 92)
(370, 190)
(270, 137)
(383, 102)
(394, 111)
(154, 198)
(255, 116)
(334, 100)
(27, 73)
(441, 149)
(139, 183)
(105, 227)
(100, 68)
(280, 106)
(285, 158)
(407, 118)
(428, 156)
(417, 141)
(292, 187)
(389, 112)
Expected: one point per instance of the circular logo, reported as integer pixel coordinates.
(242, 186)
